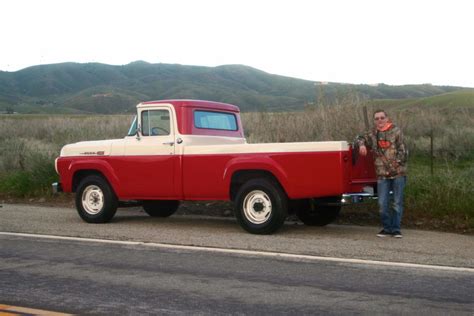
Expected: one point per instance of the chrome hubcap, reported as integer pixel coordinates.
(92, 199)
(257, 207)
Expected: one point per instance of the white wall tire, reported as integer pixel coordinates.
(95, 200)
(261, 206)
(257, 207)
(92, 199)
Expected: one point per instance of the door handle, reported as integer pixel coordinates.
(168, 143)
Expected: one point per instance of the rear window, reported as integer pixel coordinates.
(215, 120)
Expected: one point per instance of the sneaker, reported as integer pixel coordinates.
(383, 233)
(397, 234)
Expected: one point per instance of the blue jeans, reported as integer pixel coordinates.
(391, 213)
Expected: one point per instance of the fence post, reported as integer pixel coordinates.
(366, 117)
(431, 152)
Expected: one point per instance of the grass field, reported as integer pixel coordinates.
(30, 143)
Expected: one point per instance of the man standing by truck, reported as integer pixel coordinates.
(390, 158)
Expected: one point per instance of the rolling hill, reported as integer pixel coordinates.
(461, 99)
(101, 88)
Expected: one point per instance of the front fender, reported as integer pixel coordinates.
(99, 165)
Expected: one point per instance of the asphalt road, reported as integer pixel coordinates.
(86, 277)
(197, 265)
(422, 247)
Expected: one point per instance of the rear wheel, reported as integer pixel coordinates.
(261, 206)
(163, 208)
(318, 212)
(96, 202)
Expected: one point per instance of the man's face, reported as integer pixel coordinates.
(380, 119)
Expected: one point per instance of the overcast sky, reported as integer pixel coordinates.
(363, 41)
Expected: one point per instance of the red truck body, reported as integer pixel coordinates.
(211, 163)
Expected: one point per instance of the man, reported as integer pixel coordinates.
(390, 158)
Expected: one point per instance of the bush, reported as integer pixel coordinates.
(448, 194)
(30, 143)
(34, 179)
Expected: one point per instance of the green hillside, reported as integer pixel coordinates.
(461, 99)
(101, 88)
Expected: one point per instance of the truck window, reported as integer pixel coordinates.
(215, 120)
(155, 122)
(133, 128)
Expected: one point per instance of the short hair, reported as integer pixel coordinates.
(379, 111)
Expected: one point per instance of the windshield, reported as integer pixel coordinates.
(133, 128)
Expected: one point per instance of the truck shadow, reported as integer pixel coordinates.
(210, 224)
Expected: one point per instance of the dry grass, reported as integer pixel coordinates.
(29, 145)
(453, 132)
(318, 124)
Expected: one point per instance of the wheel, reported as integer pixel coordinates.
(163, 208)
(261, 206)
(317, 212)
(96, 202)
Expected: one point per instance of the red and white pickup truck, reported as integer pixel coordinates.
(196, 150)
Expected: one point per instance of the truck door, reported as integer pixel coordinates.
(150, 160)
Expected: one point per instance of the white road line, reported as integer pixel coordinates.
(245, 252)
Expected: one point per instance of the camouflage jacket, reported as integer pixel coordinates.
(390, 152)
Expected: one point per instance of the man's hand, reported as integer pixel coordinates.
(363, 150)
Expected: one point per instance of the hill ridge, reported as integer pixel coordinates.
(101, 88)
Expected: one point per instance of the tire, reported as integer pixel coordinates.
(314, 212)
(96, 202)
(261, 206)
(163, 208)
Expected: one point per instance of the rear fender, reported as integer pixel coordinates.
(251, 163)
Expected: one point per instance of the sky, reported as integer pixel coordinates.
(364, 41)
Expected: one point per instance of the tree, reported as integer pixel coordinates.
(9, 109)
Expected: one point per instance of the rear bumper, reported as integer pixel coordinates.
(358, 197)
(57, 187)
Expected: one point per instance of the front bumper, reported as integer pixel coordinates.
(57, 187)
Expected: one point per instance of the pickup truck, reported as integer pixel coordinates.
(191, 150)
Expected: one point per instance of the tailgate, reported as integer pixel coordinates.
(362, 172)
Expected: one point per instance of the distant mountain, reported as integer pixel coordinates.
(101, 88)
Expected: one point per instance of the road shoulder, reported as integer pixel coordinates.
(340, 241)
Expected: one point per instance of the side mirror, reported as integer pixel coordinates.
(137, 132)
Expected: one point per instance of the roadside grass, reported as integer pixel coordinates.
(30, 143)
(33, 180)
(445, 200)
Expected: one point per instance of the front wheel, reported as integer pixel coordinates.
(261, 206)
(318, 212)
(163, 208)
(96, 202)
